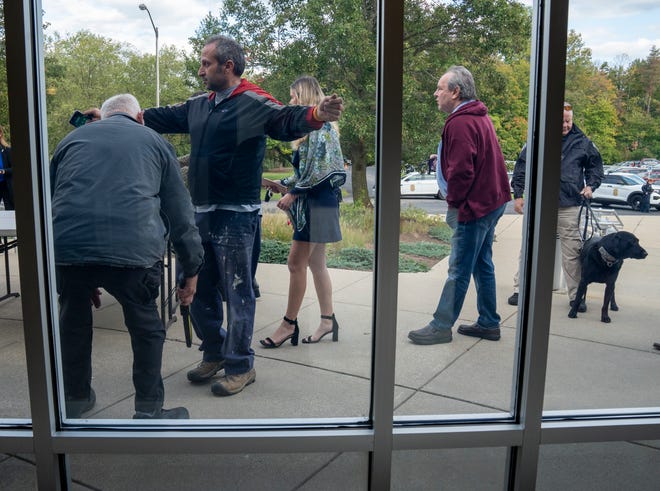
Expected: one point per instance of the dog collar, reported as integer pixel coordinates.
(609, 259)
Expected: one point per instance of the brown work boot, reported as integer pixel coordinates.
(205, 370)
(233, 384)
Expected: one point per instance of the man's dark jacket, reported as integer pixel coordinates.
(117, 194)
(228, 140)
(581, 165)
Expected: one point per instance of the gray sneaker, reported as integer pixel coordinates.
(205, 370)
(233, 384)
(430, 335)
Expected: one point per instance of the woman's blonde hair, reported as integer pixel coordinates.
(3, 142)
(309, 93)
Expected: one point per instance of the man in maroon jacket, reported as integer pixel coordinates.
(472, 175)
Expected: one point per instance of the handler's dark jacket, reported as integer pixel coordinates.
(117, 193)
(581, 164)
(228, 140)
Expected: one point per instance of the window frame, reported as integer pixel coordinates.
(530, 427)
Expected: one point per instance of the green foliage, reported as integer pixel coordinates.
(593, 97)
(638, 104)
(491, 38)
(274, 251)
(441, 232)
(358, 258)
(408, 265)
(350, 253)
(357, 216)
(616, 105)
(84, 69)
(362, 259)
(275, 226)
(425, 249)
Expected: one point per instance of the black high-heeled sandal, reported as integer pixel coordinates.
(269, 343)
(334, 331)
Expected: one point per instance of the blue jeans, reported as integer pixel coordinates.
(228, 238)
(471, 255)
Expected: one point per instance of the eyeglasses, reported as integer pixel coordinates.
(567, 107)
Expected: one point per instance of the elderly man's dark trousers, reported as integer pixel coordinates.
(136, 290)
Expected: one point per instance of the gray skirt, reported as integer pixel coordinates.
(321, 217)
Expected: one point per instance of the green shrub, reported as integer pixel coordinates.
(363, 259)
(276, 226)
(417, 221)
(357, 258)
(274, 251)
(356, 216)
(441, 232)
(408, 265)
(354, 251)
(424, 249)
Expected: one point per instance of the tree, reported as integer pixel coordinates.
(285, 40)
(638, 105)
(593, 96)
(336, 42)
(84, 69)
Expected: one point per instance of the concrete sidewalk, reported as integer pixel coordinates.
(590, 365)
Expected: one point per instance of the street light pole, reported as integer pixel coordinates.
(144, 7)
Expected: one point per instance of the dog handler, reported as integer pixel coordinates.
(581, 174)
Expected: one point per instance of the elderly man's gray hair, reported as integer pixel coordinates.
(122, 103)
(462, 78)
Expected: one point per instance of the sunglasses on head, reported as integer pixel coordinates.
(568, 107)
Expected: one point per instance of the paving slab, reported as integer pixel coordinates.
(13, 368)
(610, 466)
(452, 469)
(112, 360)
(421, 403)
(203, 471)
(347, 470)
(482, 374)
(589, 375)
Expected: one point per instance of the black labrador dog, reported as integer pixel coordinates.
(602, 258)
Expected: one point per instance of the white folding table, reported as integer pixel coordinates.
(7, 232)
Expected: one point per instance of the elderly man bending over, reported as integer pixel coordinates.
(117, 194)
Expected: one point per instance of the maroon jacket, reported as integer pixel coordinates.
(472, 163)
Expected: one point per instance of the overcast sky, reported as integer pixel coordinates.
(611, 28)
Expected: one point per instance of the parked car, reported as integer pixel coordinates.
(650, 162)
(620, 188)
(653, 176)
(638, 171)
(416, 184)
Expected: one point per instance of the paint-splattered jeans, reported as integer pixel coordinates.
(228, 238)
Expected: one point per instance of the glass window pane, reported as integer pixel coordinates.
(610, 465)
(330, 272)
(238, 472)
(460, 373)
(604, 358)
(13, 367)
(465, 468)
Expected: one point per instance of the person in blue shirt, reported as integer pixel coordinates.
(6, 185)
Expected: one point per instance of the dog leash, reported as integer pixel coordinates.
(589, 220)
